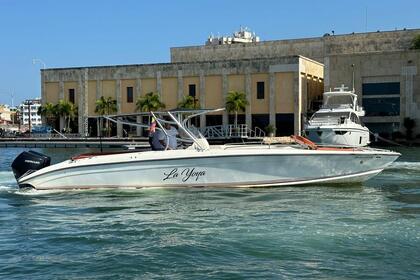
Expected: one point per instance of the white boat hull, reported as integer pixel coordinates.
(256, 166)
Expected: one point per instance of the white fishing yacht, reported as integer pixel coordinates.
(338, 122)
(249, 165)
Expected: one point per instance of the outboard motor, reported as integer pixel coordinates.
(29, 161)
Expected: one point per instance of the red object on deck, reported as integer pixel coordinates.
(311, 145)
(304, 141)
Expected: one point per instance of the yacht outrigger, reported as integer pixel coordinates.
(233, 165)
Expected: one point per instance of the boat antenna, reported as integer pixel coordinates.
(352, 70)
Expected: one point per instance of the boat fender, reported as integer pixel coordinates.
(29, 161)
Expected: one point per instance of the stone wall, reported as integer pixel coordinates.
(314, 48)
(165, 69)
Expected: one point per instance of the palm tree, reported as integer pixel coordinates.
(49, 111)
(106, 106)
(236, 102)
(149, 102)
(68, 111)
(63, 108)
(188, 102)
(73, 113)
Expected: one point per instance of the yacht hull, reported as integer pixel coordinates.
(236, 167)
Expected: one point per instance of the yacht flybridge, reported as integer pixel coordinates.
(247, 165)
(338, 122)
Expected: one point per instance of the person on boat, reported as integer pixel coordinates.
(152, 130)
(160, 140)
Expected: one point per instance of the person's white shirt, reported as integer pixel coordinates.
(159, 137)
(172, 133)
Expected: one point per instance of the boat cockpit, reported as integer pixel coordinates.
(334, 118)
(180, 118)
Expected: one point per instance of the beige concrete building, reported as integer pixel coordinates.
(386, 69)
(279, 90)
(282, 79)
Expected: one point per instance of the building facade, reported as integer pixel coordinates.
(29, 112)
(279, 90)
(5, 114)
(282, 79)
(385, 67)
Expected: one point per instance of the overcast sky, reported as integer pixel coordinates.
(86, 33)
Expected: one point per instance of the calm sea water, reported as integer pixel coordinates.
(367, 231)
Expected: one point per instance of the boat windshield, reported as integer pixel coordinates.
(338, 101)
(329, 117)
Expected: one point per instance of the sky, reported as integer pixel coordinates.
(71, 33)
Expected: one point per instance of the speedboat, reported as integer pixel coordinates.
(232, 165)
(338, 122)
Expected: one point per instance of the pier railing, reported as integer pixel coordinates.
(231, 131)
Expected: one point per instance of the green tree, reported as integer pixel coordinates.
(150, 102)
(73, 113)
(415, 43)
(49, 111)
(236, 102)
(188, 102)
(68, 111)
(105, 106)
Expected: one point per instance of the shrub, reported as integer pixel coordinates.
(409, 124)
(415, 43)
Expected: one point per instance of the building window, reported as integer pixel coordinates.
(260, 90)
(71, 95)
(130, 95)
(381, 99)
(381, 88)
(191, 90)
(381, 107)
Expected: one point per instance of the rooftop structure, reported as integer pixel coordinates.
(244, 35)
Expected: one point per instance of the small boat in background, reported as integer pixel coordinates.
(338, 122)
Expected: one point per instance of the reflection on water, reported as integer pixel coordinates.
(360, 231)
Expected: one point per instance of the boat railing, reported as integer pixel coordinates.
(180, 118)
(324, 121)
(55, 135)
(337, 106)
(231, 131)
(257, 133)
(240, 131)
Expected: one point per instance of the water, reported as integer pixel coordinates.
(368, 231)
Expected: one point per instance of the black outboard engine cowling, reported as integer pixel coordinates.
(29, 161)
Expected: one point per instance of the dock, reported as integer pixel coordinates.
(139, 143)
